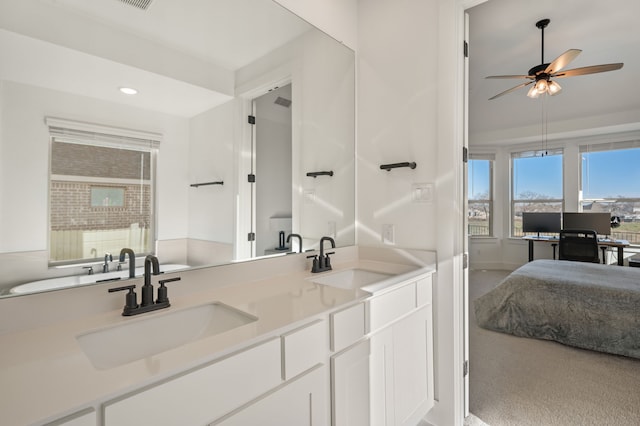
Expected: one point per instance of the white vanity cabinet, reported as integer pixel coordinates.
(386, 377)
(283, 379)
(302, 401)
(401, 361)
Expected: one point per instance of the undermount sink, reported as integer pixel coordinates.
(350, 278)
(143, 337)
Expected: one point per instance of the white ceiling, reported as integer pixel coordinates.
(504, 40)
(180, 55)
(229, 33)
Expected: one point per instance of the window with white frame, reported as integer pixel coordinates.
(536, 184)
(480, 195)
(101, 191)
(609, 183)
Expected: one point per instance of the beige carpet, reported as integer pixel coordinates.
(520, 381)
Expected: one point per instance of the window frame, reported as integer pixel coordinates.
(531, 153)
(490, 201)
(602, 148)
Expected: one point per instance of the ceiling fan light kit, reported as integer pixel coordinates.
(540, 75)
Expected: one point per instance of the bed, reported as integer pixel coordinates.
(586, 305)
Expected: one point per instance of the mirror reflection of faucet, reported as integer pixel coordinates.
(281, 245)
(107, 258)
(299, 241)
(132, 261)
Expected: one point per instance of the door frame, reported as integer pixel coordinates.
(245, 198)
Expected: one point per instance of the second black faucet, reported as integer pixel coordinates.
(324, 262)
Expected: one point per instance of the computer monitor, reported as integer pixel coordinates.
(547, 222)
(599, 222)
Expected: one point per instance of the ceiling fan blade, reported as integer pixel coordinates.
(589, 70)
(562, 61)
(511, 90)
(530, 77)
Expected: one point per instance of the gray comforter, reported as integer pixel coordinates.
(586, 305)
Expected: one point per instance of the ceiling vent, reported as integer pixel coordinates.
(282, 102)
(140, 4)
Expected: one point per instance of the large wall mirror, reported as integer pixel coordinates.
(241, 133)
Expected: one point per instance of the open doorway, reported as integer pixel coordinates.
(272, 162)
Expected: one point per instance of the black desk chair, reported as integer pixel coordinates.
(579, 245)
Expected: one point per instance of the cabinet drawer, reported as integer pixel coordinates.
(204, 394)
(303, 348)
(347, 326)
(424, 291)
(388, 307)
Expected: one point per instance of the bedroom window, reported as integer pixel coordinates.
(101, 192)
(536, 185)
(480, 195)
(604, 189)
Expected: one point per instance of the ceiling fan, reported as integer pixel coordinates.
(540, 75)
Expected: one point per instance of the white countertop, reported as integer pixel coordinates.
(45, 374)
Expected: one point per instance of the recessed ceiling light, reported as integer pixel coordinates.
(128, 90)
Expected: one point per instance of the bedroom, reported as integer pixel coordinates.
(595, 116)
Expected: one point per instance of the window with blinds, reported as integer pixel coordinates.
(101, 191)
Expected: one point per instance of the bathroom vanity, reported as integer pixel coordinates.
(249, 343)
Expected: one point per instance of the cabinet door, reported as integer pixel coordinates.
(382, 398)
(350, 386)
(413, 367)
(402, 371)
(300, 402)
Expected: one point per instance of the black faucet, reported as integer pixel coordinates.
(324, 262)
(107, 258)
(299, 241)
(147, 304)
(132, 260)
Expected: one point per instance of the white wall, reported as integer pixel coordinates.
(409, 109)
(337, 18)
(212, 154)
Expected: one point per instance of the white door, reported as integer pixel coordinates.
(465, 232)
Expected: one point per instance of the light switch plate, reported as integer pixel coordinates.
(331, 229)
(309, 196)
(388, 234)
(422, 192)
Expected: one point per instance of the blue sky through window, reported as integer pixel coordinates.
(611, 174)
(540, 176)
(478, 175)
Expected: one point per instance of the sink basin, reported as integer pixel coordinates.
(143, 337)
(350, 278)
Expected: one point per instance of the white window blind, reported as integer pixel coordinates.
(99, 135)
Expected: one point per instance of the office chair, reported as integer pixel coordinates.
(579, 245)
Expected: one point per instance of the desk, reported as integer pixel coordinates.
(619, 244)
